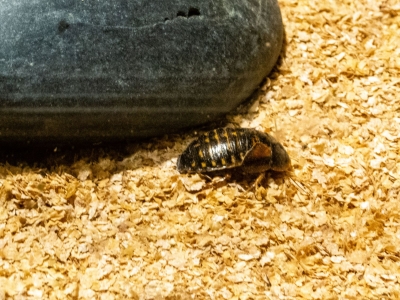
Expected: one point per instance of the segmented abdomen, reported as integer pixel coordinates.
(217, 149)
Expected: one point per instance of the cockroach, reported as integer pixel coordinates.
(248, 150)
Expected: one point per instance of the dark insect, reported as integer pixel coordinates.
(249, 150)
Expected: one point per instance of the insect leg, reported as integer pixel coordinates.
(257, 182)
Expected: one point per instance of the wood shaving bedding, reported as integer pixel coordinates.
(134, 228)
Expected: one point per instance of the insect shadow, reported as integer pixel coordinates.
(247, 182)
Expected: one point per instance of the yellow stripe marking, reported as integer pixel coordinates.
(206, 139)
(228, 142)
(225, 133)
(213, 163)
(241, 155)
(216, 136)
(223, 162)
(203, 165)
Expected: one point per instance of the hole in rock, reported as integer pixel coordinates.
(62, 26)
(193, 12)
(181, 14)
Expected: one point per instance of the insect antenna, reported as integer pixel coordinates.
(299, 186)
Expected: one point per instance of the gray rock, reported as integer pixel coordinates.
(113, 69)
